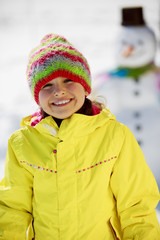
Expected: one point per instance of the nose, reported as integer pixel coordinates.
(59, 90)
(127, 51)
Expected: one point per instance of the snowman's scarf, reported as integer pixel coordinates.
(126, 72)
(134, 73)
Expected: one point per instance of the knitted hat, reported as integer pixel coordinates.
(56, 57)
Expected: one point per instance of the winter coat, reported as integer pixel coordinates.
(87, 180)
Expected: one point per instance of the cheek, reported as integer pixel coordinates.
(76, 89)
(71, 87)
(43, 97)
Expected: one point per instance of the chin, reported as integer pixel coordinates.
(61, 116)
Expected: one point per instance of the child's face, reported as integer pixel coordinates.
(62, 97)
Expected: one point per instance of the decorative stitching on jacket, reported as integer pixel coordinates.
(38, 167)
(79, 171)
(97, 164)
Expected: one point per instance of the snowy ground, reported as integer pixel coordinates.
(90, 25)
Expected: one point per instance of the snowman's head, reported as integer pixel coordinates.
(135, 46)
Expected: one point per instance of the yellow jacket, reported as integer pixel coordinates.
(86, 180)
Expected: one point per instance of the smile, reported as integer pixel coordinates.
(61, 103)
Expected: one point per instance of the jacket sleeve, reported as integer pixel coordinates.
(15, 200)
(136, 192)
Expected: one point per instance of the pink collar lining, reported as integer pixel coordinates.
(95, 110)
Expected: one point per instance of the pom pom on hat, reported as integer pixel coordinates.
(56, 57)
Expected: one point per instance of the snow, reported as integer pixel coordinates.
(90, 25)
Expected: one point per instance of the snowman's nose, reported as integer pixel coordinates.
(127, 51)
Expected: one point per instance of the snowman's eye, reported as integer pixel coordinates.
(140, 42)
(124, 42)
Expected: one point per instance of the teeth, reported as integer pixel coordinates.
(62, 102)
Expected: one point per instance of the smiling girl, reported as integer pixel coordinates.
(62, 97)
(72, 171)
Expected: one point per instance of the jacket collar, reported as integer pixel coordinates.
(76, 125)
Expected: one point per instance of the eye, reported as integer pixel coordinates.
(48, 85)
(140, 42)
(124, 42)
(67, 80)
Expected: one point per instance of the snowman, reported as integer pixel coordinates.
(132, 90)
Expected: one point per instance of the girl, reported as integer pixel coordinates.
(73, 172)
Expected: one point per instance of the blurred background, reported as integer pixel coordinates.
(90, 25)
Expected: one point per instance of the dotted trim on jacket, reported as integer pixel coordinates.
(97, 164)
(79, 171)
(38, 167)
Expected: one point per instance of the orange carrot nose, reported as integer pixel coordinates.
(127, 51)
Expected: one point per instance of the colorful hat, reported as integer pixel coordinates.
(56, 57)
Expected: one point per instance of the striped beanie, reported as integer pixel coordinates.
(56, 57)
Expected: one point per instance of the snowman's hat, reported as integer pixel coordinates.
(132, 16)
